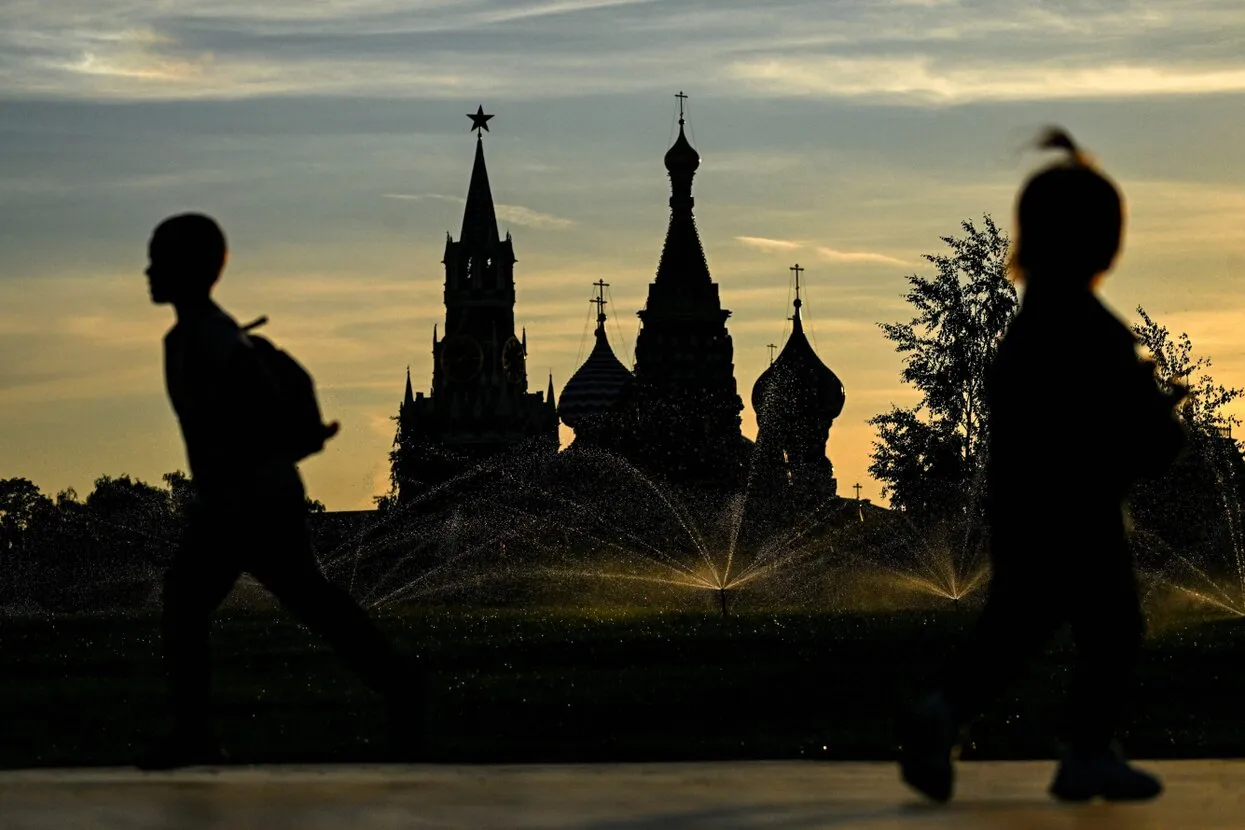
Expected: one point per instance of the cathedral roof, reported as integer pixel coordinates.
(682, 256)
(594, 388)
(479, 216)
(797, 384)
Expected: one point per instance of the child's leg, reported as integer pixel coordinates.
(1019, 618)
(1108, 626)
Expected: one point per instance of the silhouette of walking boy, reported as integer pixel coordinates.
(249, 510)
(1068, 399)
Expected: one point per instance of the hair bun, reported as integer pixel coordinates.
(1057, 138)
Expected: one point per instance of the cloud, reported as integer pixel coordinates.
(928, 80)
(416, 197)
(766, 244)
(858, 256)
(909, 51)
(520, 215)
(831, 254)
(515, 214)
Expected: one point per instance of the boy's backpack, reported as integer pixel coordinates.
(300, 430)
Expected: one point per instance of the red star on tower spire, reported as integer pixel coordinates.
(479, 120)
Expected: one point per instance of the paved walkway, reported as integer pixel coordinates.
(725, 796)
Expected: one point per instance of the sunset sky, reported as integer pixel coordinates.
(330, 140)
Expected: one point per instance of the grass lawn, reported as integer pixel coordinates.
(547, 685)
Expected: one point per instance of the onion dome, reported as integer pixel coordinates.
(682, 157)
(596, 386)
(797, 385)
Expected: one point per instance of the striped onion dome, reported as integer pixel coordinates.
(596, 386)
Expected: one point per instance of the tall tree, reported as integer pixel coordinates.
(181, 492)
(1194, 508)
(20, 502)
(926, 456)
(1205, 410)
(24, 512)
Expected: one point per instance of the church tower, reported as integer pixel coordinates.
(685, 405)
(796, 401)
(479, 405)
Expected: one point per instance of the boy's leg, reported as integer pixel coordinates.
(286, 566)
(199, 579)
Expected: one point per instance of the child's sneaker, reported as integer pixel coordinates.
(1082, 777)
(927, 733)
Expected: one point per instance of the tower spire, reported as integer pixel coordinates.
(409, 397)
(682, 257)
(479, 216)
(683, 417)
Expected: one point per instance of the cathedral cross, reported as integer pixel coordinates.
(681, 98)
(772, 348)
(856, 487)
(797, 270)
(599, 300)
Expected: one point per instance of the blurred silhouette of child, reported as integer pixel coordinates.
(1075, 417)
(249, 513)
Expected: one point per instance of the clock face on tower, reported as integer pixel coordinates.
(512, 359)
(461, 357)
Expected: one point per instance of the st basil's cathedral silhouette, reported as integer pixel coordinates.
(674, 414)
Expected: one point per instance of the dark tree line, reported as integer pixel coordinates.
(107, 550)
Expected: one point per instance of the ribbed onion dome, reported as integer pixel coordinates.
(594, 388)
(797, 384)
(682, 157)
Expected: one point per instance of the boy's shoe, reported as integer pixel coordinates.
(1106, 774)
(178, 751)
(927, 733)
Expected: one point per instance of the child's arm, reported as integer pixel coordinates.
(1156, 435)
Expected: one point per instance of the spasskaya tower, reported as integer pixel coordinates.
(479, 405)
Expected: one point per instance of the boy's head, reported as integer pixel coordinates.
(1069, 219)
(187, 254)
